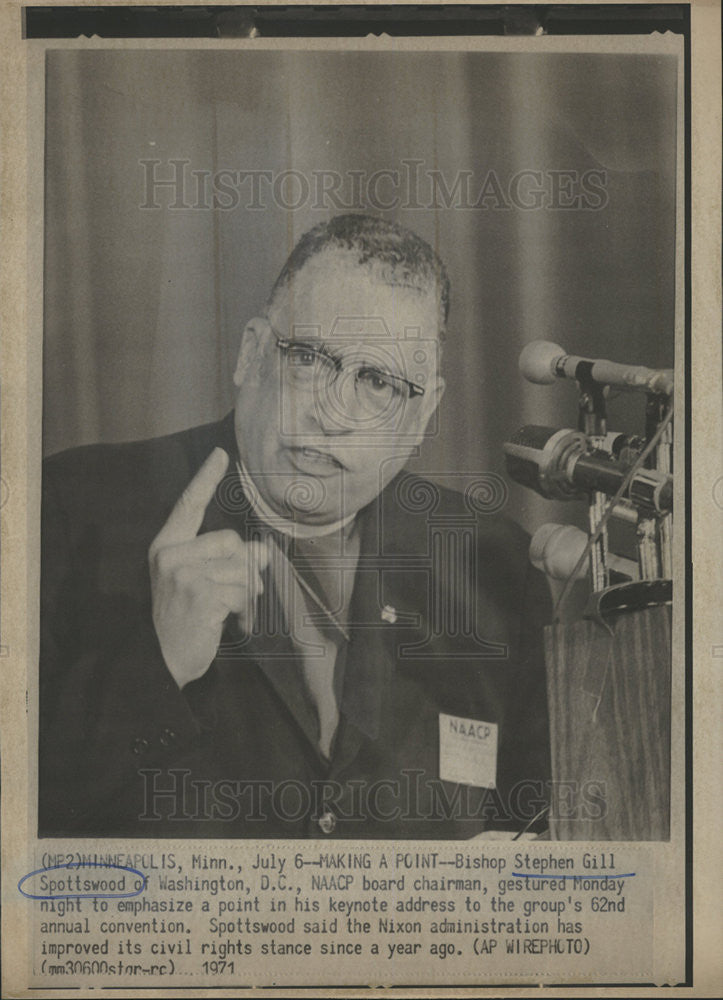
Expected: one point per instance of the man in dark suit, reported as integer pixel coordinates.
(265, 626)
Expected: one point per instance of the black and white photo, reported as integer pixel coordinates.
(352, 507)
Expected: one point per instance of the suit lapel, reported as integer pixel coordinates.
(369, 665)
(269, 648)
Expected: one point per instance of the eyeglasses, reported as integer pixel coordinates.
(375, 391)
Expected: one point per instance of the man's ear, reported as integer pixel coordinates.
(250, 350)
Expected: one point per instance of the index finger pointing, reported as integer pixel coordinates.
(187, 516)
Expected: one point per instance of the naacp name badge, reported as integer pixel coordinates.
(467, 751)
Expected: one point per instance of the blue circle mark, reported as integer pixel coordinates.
(76, 865)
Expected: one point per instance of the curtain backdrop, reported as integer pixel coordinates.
(147, 288)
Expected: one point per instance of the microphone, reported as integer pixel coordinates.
(556, 549)
(559, 465)
(542, 362)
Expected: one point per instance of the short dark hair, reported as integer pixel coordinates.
(404, 258)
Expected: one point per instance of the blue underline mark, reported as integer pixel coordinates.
(578, 875)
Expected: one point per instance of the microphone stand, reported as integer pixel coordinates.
(655, 409)
(654, 533)
(592, 421)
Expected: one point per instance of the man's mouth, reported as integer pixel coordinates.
(315, 457)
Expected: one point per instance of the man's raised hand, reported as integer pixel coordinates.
(198, 580)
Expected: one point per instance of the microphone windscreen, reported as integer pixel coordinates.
(537, 361)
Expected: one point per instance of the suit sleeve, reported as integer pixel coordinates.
(109, 707)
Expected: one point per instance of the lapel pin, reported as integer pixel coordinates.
(389, 614)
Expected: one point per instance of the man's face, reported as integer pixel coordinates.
(322, 436)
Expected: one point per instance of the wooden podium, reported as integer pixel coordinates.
(609, 700)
